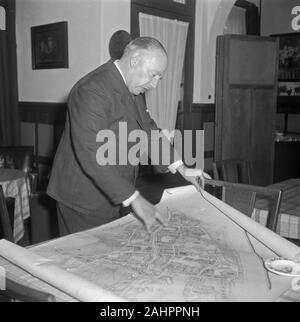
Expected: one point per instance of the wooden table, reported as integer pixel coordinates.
(16, 184)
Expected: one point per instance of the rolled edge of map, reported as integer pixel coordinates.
(275, 242)
(46, 270)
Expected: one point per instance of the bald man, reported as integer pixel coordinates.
(89, 194)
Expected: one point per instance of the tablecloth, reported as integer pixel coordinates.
(16, 184)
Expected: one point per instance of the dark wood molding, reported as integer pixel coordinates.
(206, 111)
(196, 117)
(169, 6)
(55, 114)
(46, 160)
(207, 115)
(43, 112)
(244, 4)
(209, 154)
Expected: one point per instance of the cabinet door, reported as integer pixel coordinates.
(246, 87)
(263, 134)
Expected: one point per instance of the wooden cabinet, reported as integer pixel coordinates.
(246, 92)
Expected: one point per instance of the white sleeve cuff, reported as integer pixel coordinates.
(173, 167)
(128, 201)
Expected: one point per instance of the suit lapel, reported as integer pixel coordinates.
(132, 108)
(125, 96)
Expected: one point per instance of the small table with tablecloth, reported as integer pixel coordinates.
(15, 184)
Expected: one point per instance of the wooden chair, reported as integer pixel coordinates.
(244, 197)
(6, 230)
(233, 170)
(17, 292)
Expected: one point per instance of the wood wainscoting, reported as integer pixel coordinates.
(54, 114)
(197, 118)
(38, 113)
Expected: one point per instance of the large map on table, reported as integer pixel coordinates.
(203, 253)
(179, 262)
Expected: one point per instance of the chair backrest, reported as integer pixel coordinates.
(17, 157)
(15, 291)
(233, 170)
(6, 231)
(245, 198)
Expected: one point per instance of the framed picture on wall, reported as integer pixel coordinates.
(289, 57)
(49, 44)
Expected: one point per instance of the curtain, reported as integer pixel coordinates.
(162, 102)
(236, 22)
(9, 113)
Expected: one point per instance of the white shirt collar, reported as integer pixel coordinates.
(116, 62)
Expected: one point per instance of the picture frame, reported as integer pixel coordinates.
(289, 57)
(49, 44)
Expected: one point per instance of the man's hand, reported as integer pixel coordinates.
(146, 212)
(194, 176)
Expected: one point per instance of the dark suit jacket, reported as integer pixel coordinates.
(100, 100)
